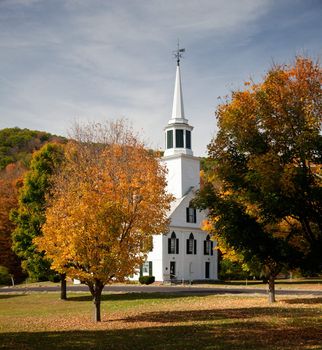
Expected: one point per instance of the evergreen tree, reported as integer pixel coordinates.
(30, 214)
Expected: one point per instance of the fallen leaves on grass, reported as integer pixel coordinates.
(243, 320)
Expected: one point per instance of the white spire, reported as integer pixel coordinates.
(177, 108)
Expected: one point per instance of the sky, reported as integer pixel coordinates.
(63, 61)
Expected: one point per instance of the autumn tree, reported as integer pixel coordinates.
(266, 169)
(108, 201)
(30, 214)
(10, 179)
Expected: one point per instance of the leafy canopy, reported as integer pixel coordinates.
(108, 201)
(263, 188)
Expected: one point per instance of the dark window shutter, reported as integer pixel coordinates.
(169, 245)
(141, 270)
(205, 247)
(188, 139)
(177, 246)
(194, 215)
(195, 246)
(150, 268)
(187, 246)
(212, 248)
(170, 139)
(187, 214)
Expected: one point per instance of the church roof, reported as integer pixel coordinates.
(176, 203)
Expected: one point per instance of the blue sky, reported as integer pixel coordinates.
(91, 60)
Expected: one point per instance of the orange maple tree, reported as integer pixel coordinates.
(107, 202)
(263, 184)
(9, 183)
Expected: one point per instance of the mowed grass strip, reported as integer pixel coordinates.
(159, 321)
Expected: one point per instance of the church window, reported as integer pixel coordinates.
(146, 269)
(170, 139)
(208, 247)
(188, 139)
(173, 244)
(191, 245)
(179, 138)
(191, 215)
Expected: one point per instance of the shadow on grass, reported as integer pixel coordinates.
(131, 296)
(8, 296)
(219, 314)
(304, 301)
(234, 335)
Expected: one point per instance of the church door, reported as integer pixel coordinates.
(207, 270)
(172, 269)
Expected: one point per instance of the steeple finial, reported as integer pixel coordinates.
(178, 53)
(177, 108)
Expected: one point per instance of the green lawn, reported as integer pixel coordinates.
(155, 321)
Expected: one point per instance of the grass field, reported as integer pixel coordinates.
(155, 321)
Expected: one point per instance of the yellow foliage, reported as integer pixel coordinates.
(107, 203)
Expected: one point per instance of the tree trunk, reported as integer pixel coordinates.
(97, 306)
(63, 287)
(271, 290)
(96, 291)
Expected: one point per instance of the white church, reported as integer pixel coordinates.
(185, 253)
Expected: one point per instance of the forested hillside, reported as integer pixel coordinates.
(18, 144)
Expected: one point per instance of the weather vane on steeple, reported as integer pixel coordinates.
(178, 53)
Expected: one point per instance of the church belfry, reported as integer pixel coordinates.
(178, 130)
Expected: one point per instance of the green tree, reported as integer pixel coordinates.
(30, 214)
(266, 169)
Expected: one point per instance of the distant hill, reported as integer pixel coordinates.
(18, 144)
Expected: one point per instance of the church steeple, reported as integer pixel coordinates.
(183, 168)
(178, 130)
(177, 107)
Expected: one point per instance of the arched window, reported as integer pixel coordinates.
(191, 245)
(208, 246)
(173, 244)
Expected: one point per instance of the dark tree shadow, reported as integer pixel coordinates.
(217, 314)
(304, 301)
(8, 296)
(236, 335)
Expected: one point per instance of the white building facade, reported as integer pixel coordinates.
(185, 253)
